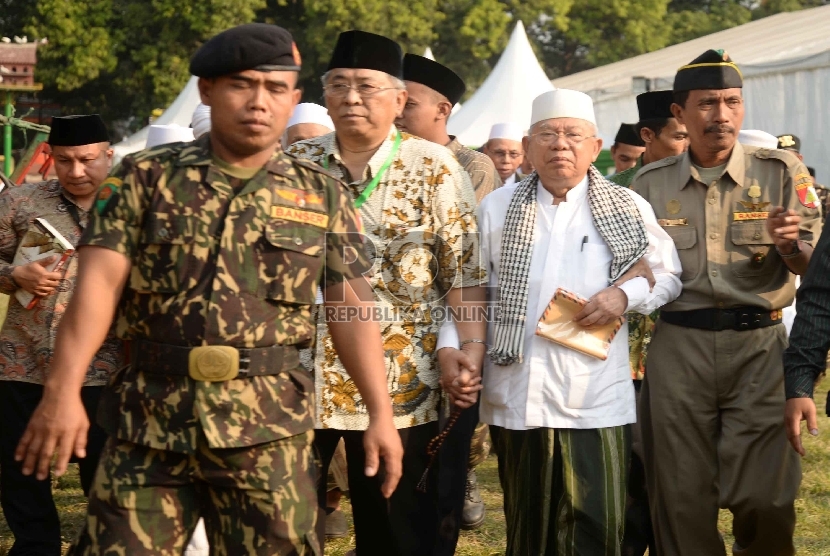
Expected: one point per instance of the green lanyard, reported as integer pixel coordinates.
(376, 180)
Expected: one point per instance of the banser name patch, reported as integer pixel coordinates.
(301, 216)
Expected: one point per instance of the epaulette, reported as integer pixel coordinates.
(662, 163)
(785, 156)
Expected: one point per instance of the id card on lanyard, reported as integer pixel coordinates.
(364, 196)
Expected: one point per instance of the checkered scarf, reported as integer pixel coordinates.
(615, 216)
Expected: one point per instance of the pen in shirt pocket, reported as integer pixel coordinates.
(584, 241)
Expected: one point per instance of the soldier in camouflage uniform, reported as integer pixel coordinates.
(215, 249)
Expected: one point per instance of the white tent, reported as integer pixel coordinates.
(179, 112)
(785, 60)
(505, 96)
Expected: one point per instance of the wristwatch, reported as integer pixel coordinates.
(795, 252)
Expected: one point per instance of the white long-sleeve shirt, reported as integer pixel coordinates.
(554, 386)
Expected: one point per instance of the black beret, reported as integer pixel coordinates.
(253, 46)
(433, 75)
(627, 135)
(362, 50)
(655, 105)
(713, 69)
(789, 142)
(811, 170)
(71, 131)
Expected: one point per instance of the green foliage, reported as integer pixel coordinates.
(123, 58)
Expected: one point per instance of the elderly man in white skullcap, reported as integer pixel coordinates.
(559, 418)
(504, 147)
(308, 121)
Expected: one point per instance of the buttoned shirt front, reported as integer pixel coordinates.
(555, 386)
(420, 229)
(728, 257)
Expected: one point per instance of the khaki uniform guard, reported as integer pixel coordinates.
(713, 401)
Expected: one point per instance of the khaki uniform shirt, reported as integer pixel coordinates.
(421, 230)
(27, 340)
(214, 265)
(719, 229)
(479, 166)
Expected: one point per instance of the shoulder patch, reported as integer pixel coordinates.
(107, 195)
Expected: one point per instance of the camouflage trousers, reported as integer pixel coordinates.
(255, 500)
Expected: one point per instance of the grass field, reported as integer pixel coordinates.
(813, 506)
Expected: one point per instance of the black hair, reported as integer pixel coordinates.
(680, 97)
(654, 124)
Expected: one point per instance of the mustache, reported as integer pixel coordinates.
(719, 128)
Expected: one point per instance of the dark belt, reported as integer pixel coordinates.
(166, 359)
(738, 318)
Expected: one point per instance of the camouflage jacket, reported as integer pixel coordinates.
(422, 233)
(27, 340)
(215, 265)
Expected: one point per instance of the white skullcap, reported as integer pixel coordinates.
(163, 134)
(507, 131)
(310, 113)
(200, 122)
(562, 103)
(757, 138)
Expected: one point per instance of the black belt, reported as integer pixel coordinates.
(738, 318)
(166, 359)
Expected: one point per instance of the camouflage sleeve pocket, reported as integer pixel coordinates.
(164, 258)
(290, 261)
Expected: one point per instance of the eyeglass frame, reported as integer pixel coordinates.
(563, 135)
(346, 88)
(507, 154)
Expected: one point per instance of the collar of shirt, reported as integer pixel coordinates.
(736, 167)
(199, 153)
(575, 194)
(332, 153)
(454, 145)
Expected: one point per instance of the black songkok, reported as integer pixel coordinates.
(433, 75)
(655, 105)
(72, 131)
(362, 50)
(627, 135)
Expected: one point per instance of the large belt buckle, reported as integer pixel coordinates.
(213, 363)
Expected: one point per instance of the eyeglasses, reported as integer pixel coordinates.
(340, 90)
(507, 154)
(547, 138)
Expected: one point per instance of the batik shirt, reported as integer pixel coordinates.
(28, 336)
(421, 234)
